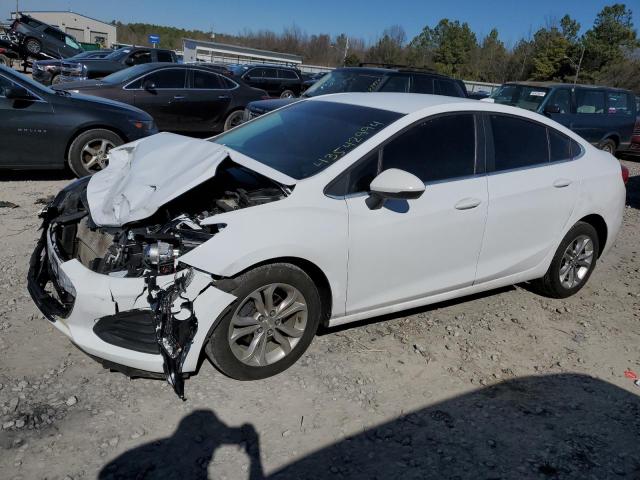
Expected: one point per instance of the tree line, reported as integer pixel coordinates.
(608, 52)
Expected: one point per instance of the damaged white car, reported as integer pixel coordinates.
(328, 211)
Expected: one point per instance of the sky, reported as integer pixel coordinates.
(514, 19)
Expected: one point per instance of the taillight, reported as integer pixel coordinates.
(625, 174)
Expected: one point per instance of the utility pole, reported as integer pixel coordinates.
(346, 49)
(575, 80)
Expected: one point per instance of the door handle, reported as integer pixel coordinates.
(224, 97)
(468, 203)
(179, 97)
(562, 182)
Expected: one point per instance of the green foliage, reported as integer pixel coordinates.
(604, 52)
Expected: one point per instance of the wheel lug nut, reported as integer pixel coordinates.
(261, 317)
(269, 332)
(277, 321)
(272, 313)
(260, 330)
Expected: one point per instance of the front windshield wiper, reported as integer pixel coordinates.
(64, 93)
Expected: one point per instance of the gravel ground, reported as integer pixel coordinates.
(506, 384)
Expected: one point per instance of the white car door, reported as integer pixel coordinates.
(530, 197)
(415, 248)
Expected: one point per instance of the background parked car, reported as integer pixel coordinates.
(42, 128)
(47, 72)
(308, 79)
(37, 38)
(603, 116)
(118, 60)
(278, 80)
(369, 79)
(180, 97)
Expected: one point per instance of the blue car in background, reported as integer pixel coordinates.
(603, 116)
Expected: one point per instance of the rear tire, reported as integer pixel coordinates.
(609, 146)
(573, 263)
(269, 322)
(233, 119)
(55, 80)
(88, 151)
(33, 46)
(288, 94)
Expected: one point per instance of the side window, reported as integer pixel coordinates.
(619, 103)
(589, 101)
(288, 74)
(206, 80)
(143, 56)
(446, 87)
(361, 176)
(58, 35)
(438, 149)
(559, 146)
(255, 73)
(396, 83)
(70, 41)
(422, 84)
(518, 143)
(164, 56)
(226, 83)
(562, 98)
(269, 73)
(171, 78)
(4, 84)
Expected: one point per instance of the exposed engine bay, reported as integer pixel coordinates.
(154, 245)
(146, 249)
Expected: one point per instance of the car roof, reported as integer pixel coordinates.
(270, 65)
(560, 84)
(396, 102)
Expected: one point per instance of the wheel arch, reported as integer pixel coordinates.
(85, 128)
(598, 222)
(318, 277)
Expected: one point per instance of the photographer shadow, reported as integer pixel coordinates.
(187, 453)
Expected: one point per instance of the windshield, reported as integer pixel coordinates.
(36, 87)
(331, 130)
(340, 81)
(522, 96)
(126, 74)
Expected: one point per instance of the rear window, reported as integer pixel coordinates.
(288, 74)
(518, 143)
(447, 87)
(620, 103)
(523, 96)
(206, 80)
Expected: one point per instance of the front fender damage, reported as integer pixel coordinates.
(176, 309)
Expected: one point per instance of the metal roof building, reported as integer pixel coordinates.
(84, 29)
(199, 50)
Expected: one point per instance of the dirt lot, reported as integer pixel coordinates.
(502, 385)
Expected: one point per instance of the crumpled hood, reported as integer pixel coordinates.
(150, 172)
(145, 174)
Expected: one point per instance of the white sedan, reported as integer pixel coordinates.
(327, 211)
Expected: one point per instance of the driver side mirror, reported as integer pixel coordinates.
(394, 184)
(129, 61)
(552, 109)
(149, 86)
(17, 92)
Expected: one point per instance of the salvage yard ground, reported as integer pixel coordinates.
(506, 384)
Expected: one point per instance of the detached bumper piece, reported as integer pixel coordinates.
(39, 276)
(175, 326)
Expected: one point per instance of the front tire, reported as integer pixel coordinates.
(572, 264)
(269, 326)
(88, 151)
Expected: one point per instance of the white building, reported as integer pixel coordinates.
(84, 29)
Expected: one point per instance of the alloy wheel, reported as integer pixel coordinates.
(268, 324)
(576, 262)
(94, 154)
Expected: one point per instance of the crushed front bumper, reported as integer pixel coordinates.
(81, 298)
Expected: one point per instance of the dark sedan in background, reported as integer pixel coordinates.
(42, 128)
(47, 72)
(181, 98)
(279, 80)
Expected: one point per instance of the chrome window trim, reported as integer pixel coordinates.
(155, 71)
(237, 85)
